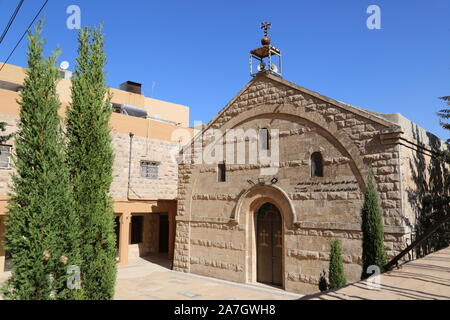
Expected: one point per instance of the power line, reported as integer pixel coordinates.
(24, 34)
(11, 20)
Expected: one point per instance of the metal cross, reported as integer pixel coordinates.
(266, 27)
(264, 235)
(278, 236)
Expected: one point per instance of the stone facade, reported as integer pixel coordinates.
(143, 149)
(215, 233)
(5, 173)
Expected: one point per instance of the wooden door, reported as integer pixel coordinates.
(269, 243)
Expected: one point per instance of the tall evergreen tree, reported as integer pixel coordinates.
(336, 275)
(41, 226)
(372, 229)
(444, 114)
(90, 156)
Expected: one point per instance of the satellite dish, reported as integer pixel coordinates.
(274, 68)
(261, 67)
(64, 65)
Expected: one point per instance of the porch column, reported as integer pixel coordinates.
(2, 246)
(125, 220)
(172, 226)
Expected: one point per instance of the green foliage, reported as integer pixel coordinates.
(90, 157)
(336, 272)
(372, 228)
(41, 226)
(445, 113)
(323, 283)
(3, 139)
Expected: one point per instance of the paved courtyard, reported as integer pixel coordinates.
(143, 280)
(424, 279)
(152, 279)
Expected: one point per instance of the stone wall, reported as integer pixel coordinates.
(212, 241)
(422, 175)
(163, 188)
(5, 174)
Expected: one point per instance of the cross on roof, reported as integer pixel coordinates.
(266, 27)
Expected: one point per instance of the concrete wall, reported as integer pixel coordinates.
(215, 226)
(14, 75)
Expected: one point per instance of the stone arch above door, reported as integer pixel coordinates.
(252, 199)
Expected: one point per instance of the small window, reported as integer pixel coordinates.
(264, 139)
(137, 229)
(150, 170)
(222, 172)
(5, 152)
(316, 165)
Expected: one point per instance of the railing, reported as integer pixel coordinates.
(418, 241)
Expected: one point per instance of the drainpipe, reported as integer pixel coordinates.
(130, 160)
(129, 165)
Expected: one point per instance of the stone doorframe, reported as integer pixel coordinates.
(247, 207)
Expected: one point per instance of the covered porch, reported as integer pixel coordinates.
(145, 228)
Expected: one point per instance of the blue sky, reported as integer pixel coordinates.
(197, 51)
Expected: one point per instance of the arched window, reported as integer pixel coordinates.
(316, 165)
(264, 139)
(222, 172)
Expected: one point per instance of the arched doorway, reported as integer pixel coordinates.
(269, 244)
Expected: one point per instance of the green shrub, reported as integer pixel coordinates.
(372, 229)
(336, 271)
(323, 284)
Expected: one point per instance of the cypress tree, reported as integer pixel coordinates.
(41, 227)
(444, 114)
(336, 272)
(372, 229)
(90, 157)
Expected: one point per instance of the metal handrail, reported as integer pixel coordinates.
(425, 236)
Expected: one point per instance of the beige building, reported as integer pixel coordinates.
(146, 133)
(239, 222)
(291, 178)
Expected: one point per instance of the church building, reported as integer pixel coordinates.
(272, 220)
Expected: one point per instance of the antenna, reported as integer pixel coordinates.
(153, 87)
